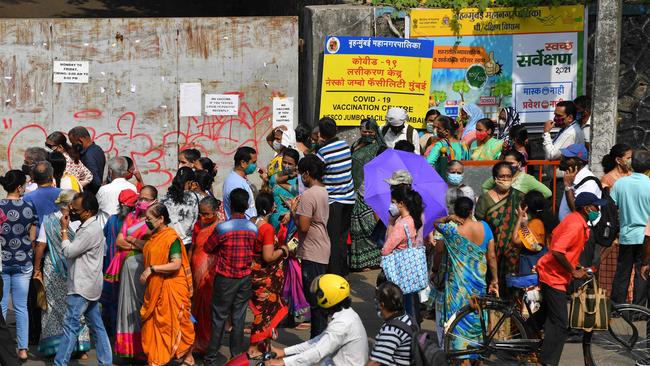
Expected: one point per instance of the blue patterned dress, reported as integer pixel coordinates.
(465, 277)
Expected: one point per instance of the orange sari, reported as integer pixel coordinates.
(167, 331)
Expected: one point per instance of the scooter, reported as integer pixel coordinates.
(243, 360)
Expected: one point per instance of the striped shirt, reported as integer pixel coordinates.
(392, 344)
(338, 171)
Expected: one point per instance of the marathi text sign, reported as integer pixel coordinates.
(530, 59)
(365, 76)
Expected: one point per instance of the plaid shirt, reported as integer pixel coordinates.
(232, 243)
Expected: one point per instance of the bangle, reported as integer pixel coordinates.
(64, 231)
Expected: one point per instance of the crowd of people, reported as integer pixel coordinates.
(161, 277)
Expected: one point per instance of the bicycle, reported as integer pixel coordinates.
(624, 343)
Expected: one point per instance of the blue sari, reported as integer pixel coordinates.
(465, 277)
(281, 194)
(55, 273)
(110, 290)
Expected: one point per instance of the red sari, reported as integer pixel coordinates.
(267, 281)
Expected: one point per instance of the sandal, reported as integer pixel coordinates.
(303, 326)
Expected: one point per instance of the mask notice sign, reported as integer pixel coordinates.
(71, 72)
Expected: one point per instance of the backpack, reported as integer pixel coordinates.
(607, 229)
(424, 344)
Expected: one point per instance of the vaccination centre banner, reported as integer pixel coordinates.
(365, 76)
(527, 58)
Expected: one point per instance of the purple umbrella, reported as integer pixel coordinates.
(426, 181)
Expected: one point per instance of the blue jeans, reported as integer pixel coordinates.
(76, 306)
(16, 283)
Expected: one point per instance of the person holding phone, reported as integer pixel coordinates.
(570, 131)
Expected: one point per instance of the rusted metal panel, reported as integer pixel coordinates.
(131, 100)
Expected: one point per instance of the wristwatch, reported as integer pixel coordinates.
(569, 188)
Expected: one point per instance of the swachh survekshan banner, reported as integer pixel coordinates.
(527, 58)
(365, 76)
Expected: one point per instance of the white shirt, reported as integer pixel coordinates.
(343, 343)
(390, 138)
(586, 130)
(107, 196)
(569, 136)
(588, 186)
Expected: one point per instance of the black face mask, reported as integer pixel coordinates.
(74, 216)
(397, 129)
(79, 147)
(564, 165)
(27, 169)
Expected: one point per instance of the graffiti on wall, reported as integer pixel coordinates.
(212, 135)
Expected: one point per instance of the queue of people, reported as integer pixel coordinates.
(164, 277)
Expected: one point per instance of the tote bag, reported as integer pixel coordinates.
(589, 308)
(407, 268)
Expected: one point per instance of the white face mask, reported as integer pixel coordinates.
(277, 146)
(393, 210)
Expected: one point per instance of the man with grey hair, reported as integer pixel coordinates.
(92, 156)
(33, 155)
(108, 195)
(44, 196)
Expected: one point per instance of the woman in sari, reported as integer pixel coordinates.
(114, 258)
(267, 278)
(167, 331)
(364, 254)
(470, 249)
(521, 181)
(130, 264)
(54, 275)
(485, 147)
(498, 207)
(469, 115)
(285, 188)
(210, 215)
(448, 148)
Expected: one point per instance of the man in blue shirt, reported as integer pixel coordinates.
(44, 196)
(245, 164)
(632, 196)
(92, 156)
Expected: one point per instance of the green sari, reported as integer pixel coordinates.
(502, 218)
(490, 150)
(363, 252)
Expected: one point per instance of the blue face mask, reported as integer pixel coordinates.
(250, 169)
(454, 179)
(579, 117)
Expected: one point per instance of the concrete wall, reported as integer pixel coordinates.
(131, 101)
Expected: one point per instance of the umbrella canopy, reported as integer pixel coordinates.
(426, 182)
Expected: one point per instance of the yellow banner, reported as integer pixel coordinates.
(473, 22)
(365, 81)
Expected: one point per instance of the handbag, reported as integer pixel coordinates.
(589, 308)
(407, 268)
(41, 299)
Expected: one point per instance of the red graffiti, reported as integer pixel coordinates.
(215, 136)
(7, 122)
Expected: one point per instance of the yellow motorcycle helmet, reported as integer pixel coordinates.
(330, 289)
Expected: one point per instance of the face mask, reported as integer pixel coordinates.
(150, 225)
(579, 116)
(627, 164)
(501, 124)
(288, 170)
(430, 128)
(79, 147)
(593, 215)
(396, 129)
(559, 121)
(367, 139)
(142, 206)
(564, 166)
(454, 178)
(503, 185)
(277, 146)
(481, 135)
(250, 169)
(393, 210)
(74, 216)
(27, 169)
(209, 220)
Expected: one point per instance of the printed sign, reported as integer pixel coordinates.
(365, 76)
(71, 71)
(283, 112)
(221, 104)
(530, 58)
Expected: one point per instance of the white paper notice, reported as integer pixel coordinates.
(283, 112)
(71, 71)
(190, 103)
(222, 104)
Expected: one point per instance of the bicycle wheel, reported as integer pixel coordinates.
(625, 342)
(506, 337)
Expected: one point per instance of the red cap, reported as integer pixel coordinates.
(128, 198)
